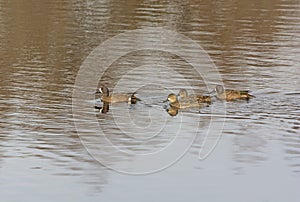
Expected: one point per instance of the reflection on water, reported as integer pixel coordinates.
(255, 45)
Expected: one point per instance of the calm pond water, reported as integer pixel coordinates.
(55, 146)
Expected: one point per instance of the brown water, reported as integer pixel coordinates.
(44, 157)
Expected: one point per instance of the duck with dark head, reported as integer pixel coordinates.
(116, 97)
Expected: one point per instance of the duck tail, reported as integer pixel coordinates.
(251, 96)
(134, 97)
(247, 93)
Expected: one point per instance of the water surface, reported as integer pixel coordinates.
(255, 46)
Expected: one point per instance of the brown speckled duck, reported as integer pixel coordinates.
(230, 95)
(183, 94)
(184, 103)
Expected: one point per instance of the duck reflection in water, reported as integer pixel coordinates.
(172, 111)
(104, 108)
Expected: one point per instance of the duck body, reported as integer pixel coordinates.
(183, 94)
(184, 102)
(114, 98)
(230, 95)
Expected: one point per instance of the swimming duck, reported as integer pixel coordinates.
(130, 97)
(183, 94)
(183, 103)
(230, 95)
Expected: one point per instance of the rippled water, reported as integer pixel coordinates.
(46, 143)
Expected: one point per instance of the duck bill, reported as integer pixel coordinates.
(213, 91)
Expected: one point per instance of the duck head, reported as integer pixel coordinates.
(183, 93)
(219, 89)
(172, 98)
(103, 90)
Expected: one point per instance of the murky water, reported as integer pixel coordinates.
(46, 143)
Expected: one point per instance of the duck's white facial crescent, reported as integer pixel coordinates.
(129, 100)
